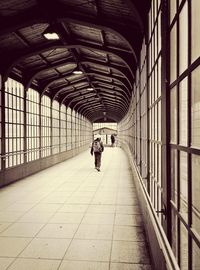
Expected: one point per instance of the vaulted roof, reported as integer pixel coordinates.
(102, 38)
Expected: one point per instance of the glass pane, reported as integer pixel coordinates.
(195, 257)
(183, 248)
(174, 175)
(183, 185)
(173, 56)
(183, 39)
(183, 105)
(196, 193)
(172, 9)
(173, 115)
(174, 232)
(196, 108)
(195, 29)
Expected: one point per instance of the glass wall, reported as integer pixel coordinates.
(45, 126)
(63, 128)
(37, 127)
(14, 123)
(154, 105)
(55, 127)
(133, 129)
(141, 128)
(32, 125)
(185, 131)
(1, 158)
(73, 123)
(69, 129)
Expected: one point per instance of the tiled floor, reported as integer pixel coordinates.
(71, 217)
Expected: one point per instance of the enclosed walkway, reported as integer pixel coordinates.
(71, 217)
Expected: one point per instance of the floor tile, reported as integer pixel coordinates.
(105, 200)
(5, 262)
(34, 264)
(55, 199)
(46, 207)
(22, 230)
(102, 209)
(88, 231)
(20, 207)
(89, 250)
(11, 246)
(82, 214)
(93, 218)
(58, 231)
(4, 225)
(9, 216)
(131, 201)
(36, 217)
(127, 209)
(66, 218)
(76, 265)
(130, 252)
(73, 208)
(44, 248)
(129, 220)
(79, 200)
(128, 233)
(127, 266)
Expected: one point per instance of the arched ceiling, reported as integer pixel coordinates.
(101, 38)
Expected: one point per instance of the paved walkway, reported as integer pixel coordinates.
(71, 217)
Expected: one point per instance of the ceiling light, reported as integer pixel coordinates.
(50, 34)
(77, 72)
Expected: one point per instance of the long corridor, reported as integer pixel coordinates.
(71, 217)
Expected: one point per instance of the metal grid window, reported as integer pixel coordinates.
(185, 132)
(69, 129)
(73, 123)
(45, 126)
(55, 127)
(154, 105)
(77, 130)
(63, 128)
(130, 130)
(14, 123)
(32, 125)
(0, 125)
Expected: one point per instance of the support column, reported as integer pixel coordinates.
(3, 146)
(165, 116)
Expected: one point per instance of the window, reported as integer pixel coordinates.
(45, 126)
(185, 141)
(69, 129)
(55, 127)
(0, 124)
(63, 128)
(32, 125)
(14, 123)
(195, 30)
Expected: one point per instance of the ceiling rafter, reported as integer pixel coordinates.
(35, 72)
(45, 86)
(116, 116)
(122, 86)
(18, 57)
(97, 41)
(59, 12)
(29, 77)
